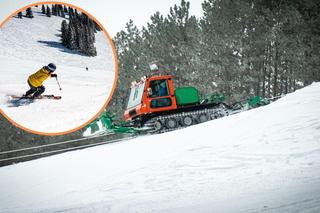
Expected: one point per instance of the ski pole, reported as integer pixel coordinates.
(58, 83)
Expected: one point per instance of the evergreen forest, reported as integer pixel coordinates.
(239, 48)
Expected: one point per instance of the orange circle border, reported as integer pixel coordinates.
(114, 83)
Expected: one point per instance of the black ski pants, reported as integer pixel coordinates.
(36, 91)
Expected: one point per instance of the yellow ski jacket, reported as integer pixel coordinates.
(39, 77)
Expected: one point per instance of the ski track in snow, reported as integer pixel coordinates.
(263, 160)
(29, 44)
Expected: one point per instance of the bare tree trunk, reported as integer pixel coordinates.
(286, 85)
(264, 71)
(258, 85)
(269, 71)
(276, 71)
(281, 85)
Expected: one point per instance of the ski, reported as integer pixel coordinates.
(55, 97)
(17, 100)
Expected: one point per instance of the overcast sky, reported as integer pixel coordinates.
(112, 14)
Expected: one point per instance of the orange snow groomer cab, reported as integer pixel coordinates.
(151, 94)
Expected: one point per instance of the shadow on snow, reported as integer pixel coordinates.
(59, 46)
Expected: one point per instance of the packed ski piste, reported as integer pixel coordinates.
(266, 159)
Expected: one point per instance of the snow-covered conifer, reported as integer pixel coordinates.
(48, 11)
(20, 14)
(29, 13)
(43, 9)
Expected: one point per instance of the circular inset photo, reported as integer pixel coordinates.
(58, 68)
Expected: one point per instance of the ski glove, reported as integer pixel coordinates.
(54, 75)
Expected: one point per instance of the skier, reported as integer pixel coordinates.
(35, 80)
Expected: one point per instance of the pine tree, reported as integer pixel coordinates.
(71, 12)
(62, 13)
(89, 48)
(72, 37)
(48, 12)
(43, 9)
(58, 10)
(54, 10)
(96, 26)
(20, 15)
(29, 13)
(79, 33)
(82, 40)
(64, 33)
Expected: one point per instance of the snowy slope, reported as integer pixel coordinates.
(263, 160)
(29, 44)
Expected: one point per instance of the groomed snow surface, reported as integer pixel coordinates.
(29, 44)
(263, 160)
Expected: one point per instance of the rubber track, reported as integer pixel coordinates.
(212, 113)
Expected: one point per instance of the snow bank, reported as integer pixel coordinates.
(263, 160)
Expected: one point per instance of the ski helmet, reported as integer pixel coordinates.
(51, 67)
